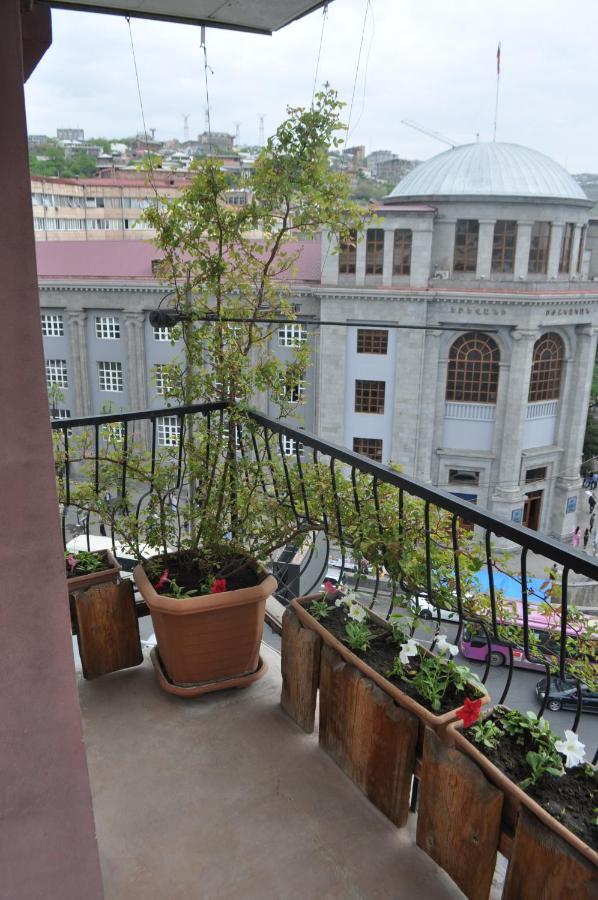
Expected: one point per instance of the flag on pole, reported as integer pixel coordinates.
(498, 59)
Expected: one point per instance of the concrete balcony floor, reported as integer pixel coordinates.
(224, 797)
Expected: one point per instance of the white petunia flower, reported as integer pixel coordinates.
(408, 649)
(443, 645)
(357, 612)
(572, 748)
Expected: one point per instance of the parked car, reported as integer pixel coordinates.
(563, 695)
(427, 610)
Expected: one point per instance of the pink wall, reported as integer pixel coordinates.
(47, 839)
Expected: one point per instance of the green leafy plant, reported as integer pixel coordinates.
(541, 762)
(84, 562)
(358, 635)
(319, 609)
(175, 590)
(487, 733)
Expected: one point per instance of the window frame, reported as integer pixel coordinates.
(369, 447)
(292, 334)
(378, 338)
(566, 248)
(52, 325)
(504, 245)
(167, 434)
(471, 380)
(401, 251)
(374, 251)
(467, 238)
(347, 254)
(546, 376)
(370, 396)
(539, 253)
(57, 373)
(114, 369)
(107, 328)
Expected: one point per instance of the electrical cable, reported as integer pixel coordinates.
(367, 6)
(324, 17)
(147, 150)
(365, 71)
(206, 67)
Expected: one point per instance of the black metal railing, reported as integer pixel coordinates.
(399, 542)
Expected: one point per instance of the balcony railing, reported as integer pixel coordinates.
(404, 543)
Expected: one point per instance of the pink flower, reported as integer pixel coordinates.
(71, 562)
(218, 586)
(330, 587)
(162, 580)
(470, 711)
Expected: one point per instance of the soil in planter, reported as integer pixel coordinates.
(81, 568)
(381, 655)
(192, 573)
(572, 798)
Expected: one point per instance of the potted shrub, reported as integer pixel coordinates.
(206, 500)
(85, 568)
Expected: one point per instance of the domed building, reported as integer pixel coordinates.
(484, 251)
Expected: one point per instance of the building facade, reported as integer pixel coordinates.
(483, 255)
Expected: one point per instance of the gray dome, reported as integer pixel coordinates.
(484, 169)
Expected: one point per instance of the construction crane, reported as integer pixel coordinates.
(432, 134)
(186, 127)
(261, 138)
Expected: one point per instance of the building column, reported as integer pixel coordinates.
(421, 257)
(554, 251)
(574, 405)
(48, 846)
(329, 259)
(575, 251)
(524, 237)
(389, 243)
(77, 325)
(428, 406)
(509, 443)
(360, 259)
(485, 242)
(137, 375)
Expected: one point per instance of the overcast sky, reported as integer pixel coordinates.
(429, 61)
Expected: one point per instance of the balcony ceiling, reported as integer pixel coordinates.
(260, 16)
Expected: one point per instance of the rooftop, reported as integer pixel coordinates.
(489, 169)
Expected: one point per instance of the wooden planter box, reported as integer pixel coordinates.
(109, 574)
(366, 724)
(469, 810)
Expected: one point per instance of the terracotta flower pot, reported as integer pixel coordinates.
(110, 574)
(514, 796)
(402, 699)
(208, 638)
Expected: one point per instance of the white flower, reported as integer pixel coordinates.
(408, 649)
(443, 646)
(357, 612)
(572, 748)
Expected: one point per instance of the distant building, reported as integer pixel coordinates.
(355, 156)
(393, 169)
(378, 156)
(70, 134)
(34, 140)
(218, 141)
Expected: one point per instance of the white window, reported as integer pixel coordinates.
(291, 334)
(294, 393)
(113, 433)
(168, 431)
(162, 334)
(107, 328)
(60, 413)
(111, 376)
(159, 378)
(52, 325)
(288, 446)
(56, 373)
(39, 224)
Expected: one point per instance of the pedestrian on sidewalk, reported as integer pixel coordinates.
(591, 501)
(586, 538)
(576, 539)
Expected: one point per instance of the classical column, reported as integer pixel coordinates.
(574, 407)
(524, 236)
(137, 364)
(421, 256)
(444, 248)
(360, 259)
(554, 251)
(328, 259)
(509, 442)
(428, 406)
(575, 250)
(389, 242)
(79, 374)
(485, 242)
(48, 846)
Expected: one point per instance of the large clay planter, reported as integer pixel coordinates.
(211, 639)
(400, 698)
(109, 574)
(515, 797)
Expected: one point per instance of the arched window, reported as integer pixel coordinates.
(473, 369)
(547, 367)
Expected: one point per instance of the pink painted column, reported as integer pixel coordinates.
(47, 838)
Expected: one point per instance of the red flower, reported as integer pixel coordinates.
(329, 587)
(218, 586)
(470, 711)
(71, 562)
(162, 580)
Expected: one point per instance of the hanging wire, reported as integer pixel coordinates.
(365, 16)
(365, 71)
(324, 17)
(206, 67)
(147, 150)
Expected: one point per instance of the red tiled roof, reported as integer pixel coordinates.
(127, 260)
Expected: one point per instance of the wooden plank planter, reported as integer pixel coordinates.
(459, 817)
(300, 665)
(371, 738)
(107, 629)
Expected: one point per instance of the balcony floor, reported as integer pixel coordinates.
(224, 797)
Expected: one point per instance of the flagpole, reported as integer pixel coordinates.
(497, 88)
